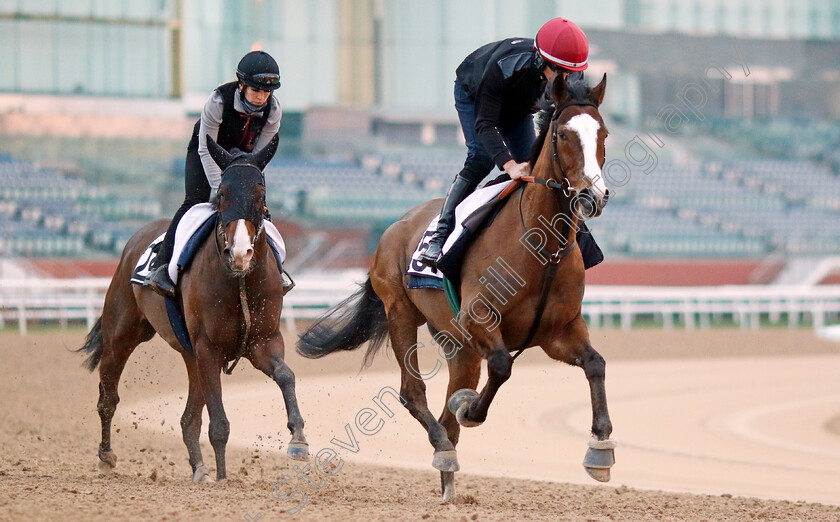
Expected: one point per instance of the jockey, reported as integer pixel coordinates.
(497, 90)
(243, 115)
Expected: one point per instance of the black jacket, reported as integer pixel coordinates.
(236, 130)
(503, 79)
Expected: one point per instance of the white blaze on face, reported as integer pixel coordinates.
(242, 249)
(587, 130)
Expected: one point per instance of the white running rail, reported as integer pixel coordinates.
(24, 301)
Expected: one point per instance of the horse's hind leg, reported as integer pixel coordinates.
(121, 335)
(574, 348)
(269, 360)
(191, 421)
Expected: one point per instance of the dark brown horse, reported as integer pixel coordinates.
(522, 284)
(231, 295)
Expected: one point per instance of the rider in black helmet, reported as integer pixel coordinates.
(243, 115)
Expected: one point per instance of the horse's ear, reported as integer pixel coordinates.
(219, 154)
(558, 90)
(264, 155)
(597, 92)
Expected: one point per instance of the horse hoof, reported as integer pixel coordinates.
(298, 451)
(461, 416)
(599, 458)
(107, 460)
(459, 403)
(460, 397)
(447, 480)
(201, 475)
(446, 461)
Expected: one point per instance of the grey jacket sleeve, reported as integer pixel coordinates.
(211, 118)
(271, 126)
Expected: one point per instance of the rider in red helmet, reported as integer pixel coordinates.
(242, 115)
(497, 90)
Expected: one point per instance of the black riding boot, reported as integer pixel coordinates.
(158, 278)
(460, 189)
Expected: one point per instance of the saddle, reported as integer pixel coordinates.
(474, 214)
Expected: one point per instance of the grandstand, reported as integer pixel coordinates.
(44, 213)
(731, 209)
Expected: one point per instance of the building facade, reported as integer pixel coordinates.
(394, 55)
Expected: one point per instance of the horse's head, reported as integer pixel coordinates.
(577, 134)
(240, 203)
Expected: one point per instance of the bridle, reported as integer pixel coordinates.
(557, 112)
(220, 231)
(566, 191)
(564, 188)
(243, 294)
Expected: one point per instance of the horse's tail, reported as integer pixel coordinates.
(93, 345)
(357, 319)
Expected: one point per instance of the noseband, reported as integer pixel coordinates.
(221, 230)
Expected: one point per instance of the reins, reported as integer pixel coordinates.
(553, 264)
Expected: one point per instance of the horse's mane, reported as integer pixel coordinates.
(579, 91)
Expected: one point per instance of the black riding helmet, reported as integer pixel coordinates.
(258, 69)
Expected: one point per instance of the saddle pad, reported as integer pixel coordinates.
(420, 274)
(197, 216)
(141, 269)
(187, 228)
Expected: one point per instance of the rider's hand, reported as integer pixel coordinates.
(517, 170)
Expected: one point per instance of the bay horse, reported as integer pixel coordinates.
(231, 295)
(534, 299)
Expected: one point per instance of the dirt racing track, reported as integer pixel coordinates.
(707, 424)
(746, 427)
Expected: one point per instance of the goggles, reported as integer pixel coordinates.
(556, 68)
(267, 79)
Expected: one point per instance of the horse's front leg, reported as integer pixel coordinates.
(469, 407)
(210, 368)
(268, 358)
(191, 420)
(572, 347)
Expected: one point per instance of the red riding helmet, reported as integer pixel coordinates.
(563, 43)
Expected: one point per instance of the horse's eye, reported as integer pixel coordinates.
(562, 135)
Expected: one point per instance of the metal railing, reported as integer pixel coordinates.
(23, 301)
